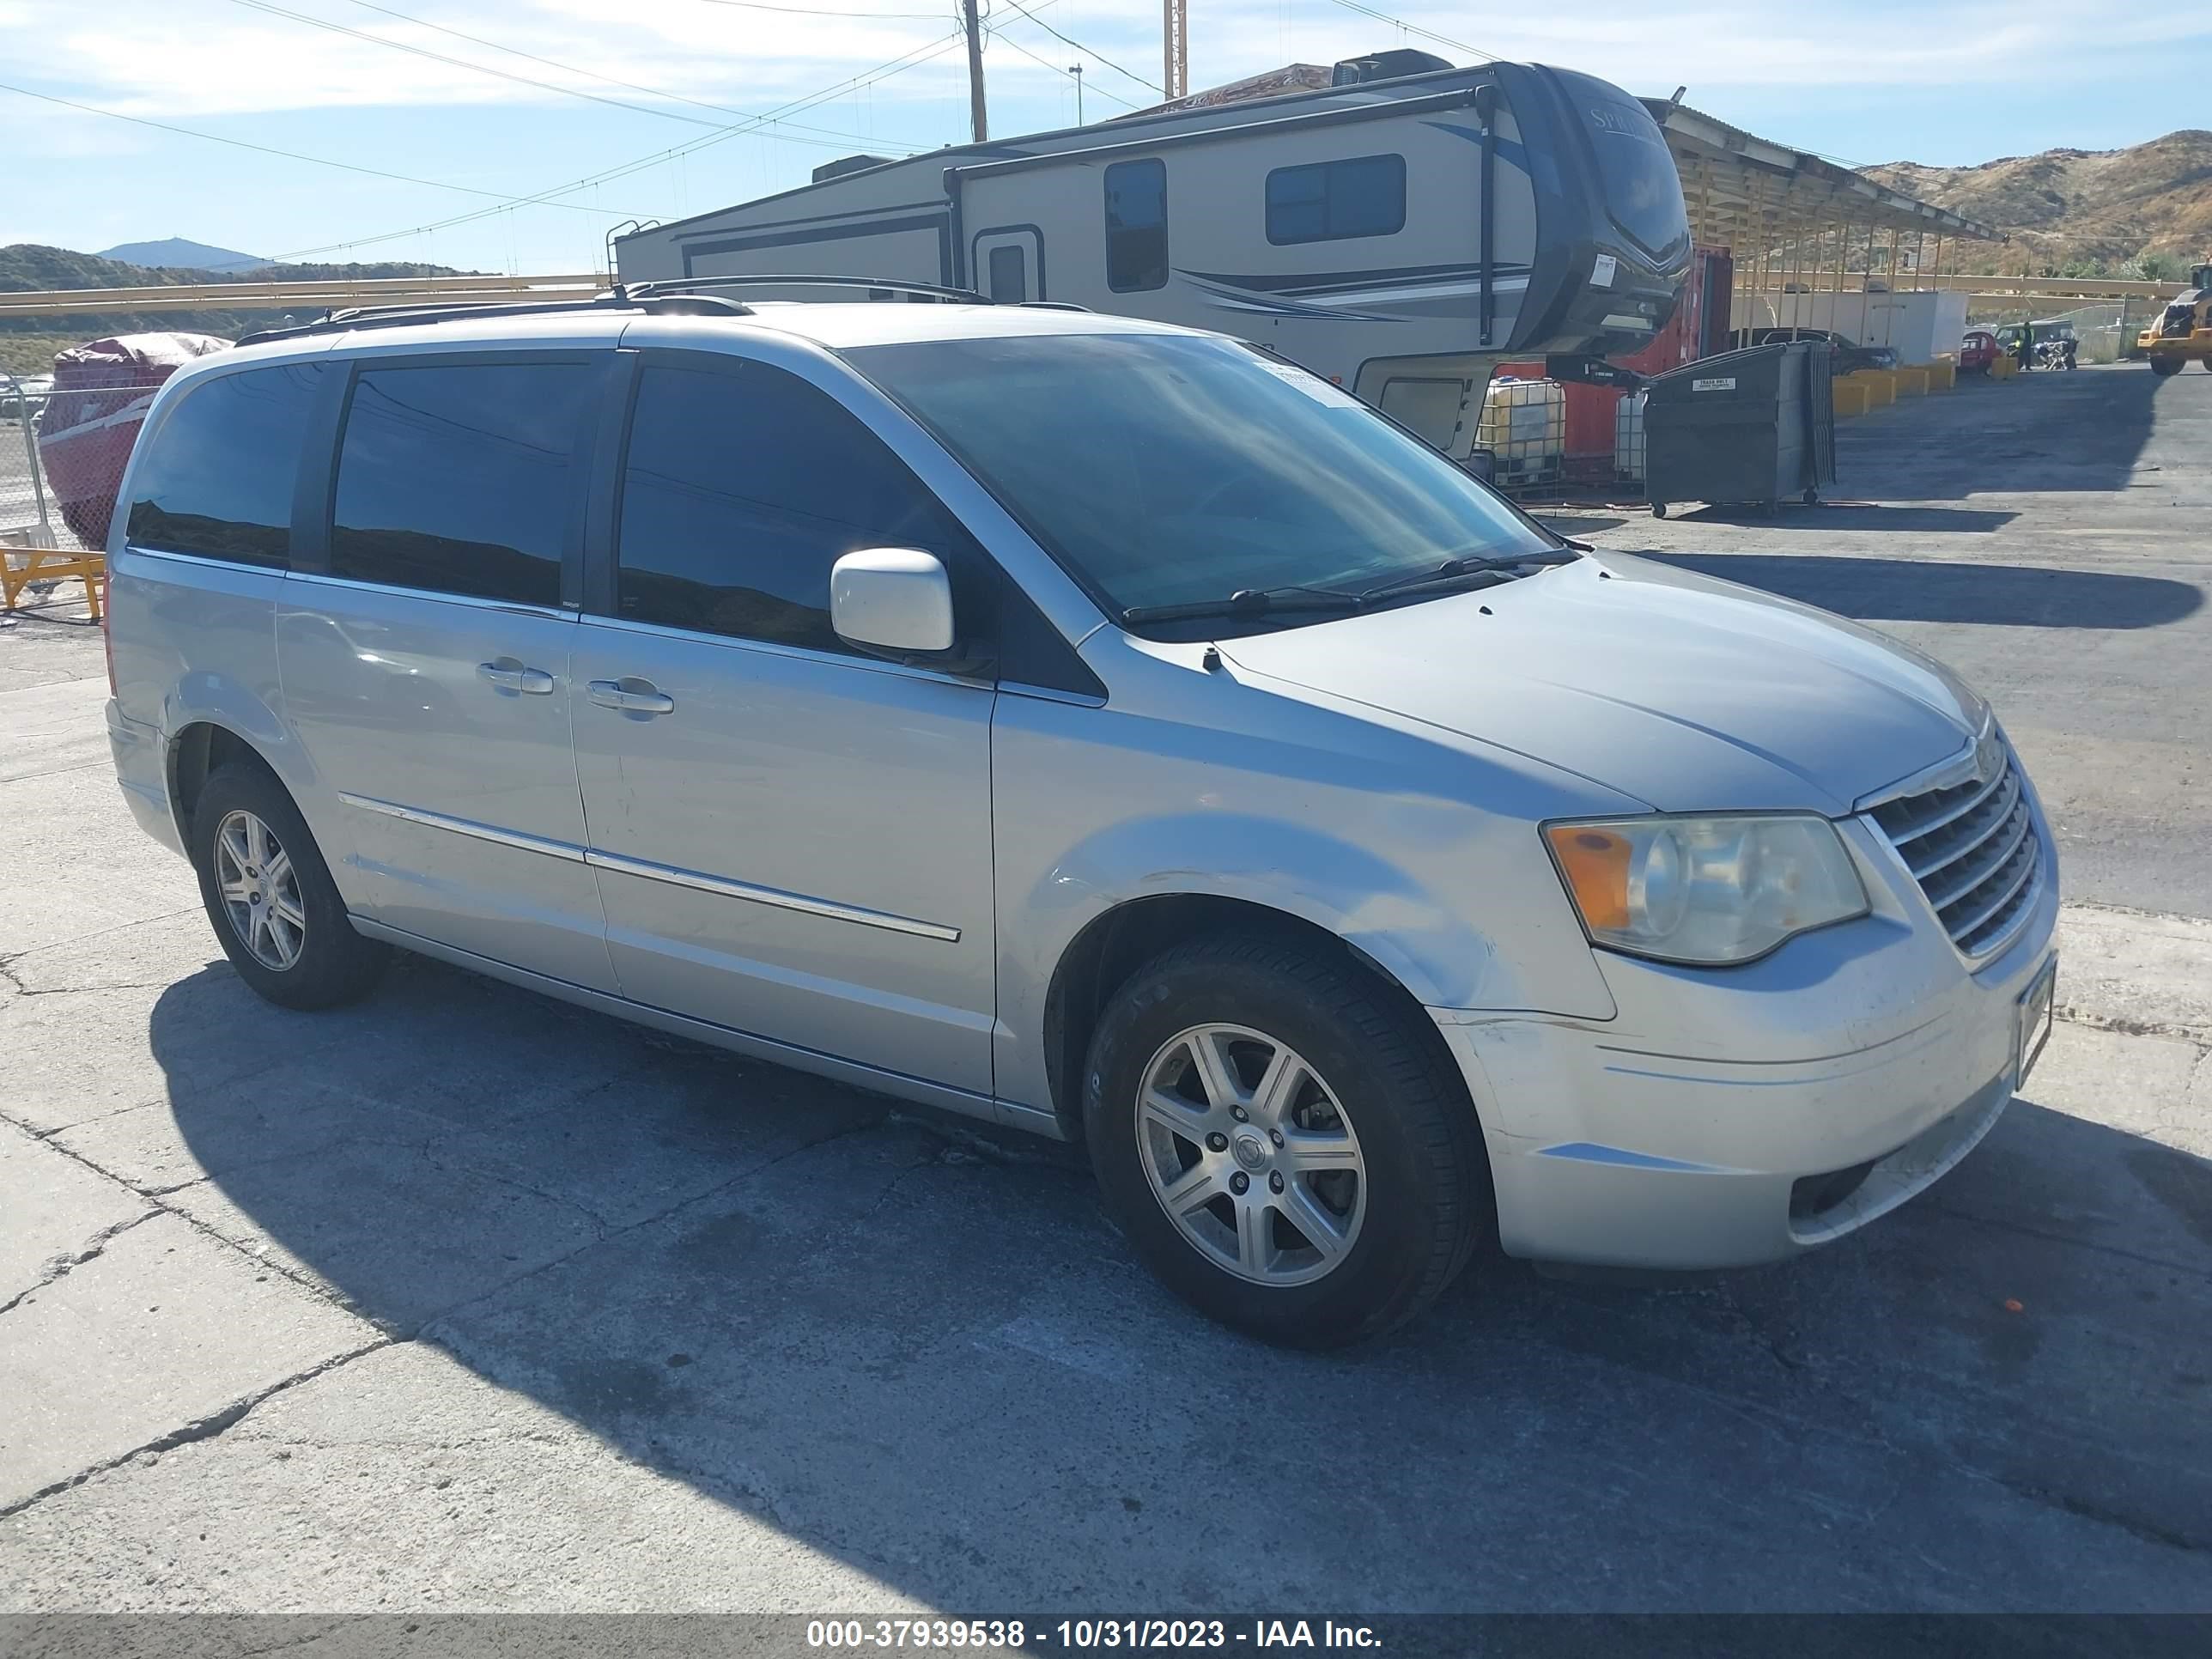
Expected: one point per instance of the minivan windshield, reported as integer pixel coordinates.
(1182, 470)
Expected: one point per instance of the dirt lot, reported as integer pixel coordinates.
(461, 1299)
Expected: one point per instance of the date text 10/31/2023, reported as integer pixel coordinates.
(1084, 1635)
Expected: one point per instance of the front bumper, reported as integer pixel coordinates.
(1676, 1134)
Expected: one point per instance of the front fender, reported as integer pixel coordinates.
(1370, 835)
(1410, 931)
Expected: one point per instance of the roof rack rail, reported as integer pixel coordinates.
(366, 317)
(777, 279)
(1050, 305)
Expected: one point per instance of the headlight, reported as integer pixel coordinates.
(1711, 890)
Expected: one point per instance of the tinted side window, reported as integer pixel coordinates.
(218, 479)
(1136, 226)
(1329, 201)
(460, 478)
(743, 487)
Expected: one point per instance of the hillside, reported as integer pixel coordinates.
(2097, 209)
(182, 251)
(27, 343)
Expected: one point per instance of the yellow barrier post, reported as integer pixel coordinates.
(2003, 366)
(1942, 375)
(1849, 395)
(1911, 382)
(49, 564)
(1880, 385)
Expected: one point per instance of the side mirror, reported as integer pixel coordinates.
(895, 601)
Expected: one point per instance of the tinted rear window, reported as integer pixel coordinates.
(463, 477)
(218, 480)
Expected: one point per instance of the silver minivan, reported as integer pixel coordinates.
(1102, 728)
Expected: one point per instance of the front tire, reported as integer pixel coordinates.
(1281, 1143)
(2170, 365)
(269, 896)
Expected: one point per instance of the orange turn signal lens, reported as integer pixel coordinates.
(1595, 862)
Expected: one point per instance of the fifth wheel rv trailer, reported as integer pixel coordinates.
(1401, 236)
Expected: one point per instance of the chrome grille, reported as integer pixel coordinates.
(1973, 848)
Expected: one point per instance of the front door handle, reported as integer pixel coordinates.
(632, 696)
(511, 676)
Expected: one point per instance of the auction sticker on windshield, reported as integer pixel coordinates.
(1320, 391)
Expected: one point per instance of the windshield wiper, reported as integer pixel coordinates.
(1459, 569)
(1249, 602)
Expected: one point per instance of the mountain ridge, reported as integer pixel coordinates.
(2081, 211)
(182, 253)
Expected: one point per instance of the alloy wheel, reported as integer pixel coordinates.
(1251, 1155)
(260, 890)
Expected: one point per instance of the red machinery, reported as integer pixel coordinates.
(101, 392)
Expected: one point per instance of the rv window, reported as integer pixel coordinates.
(1009, 276)
(1329, 201)
(218, 480)
(741, 490)
(1136, 226)
(459, 478)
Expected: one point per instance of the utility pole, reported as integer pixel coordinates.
(976, 118)
(1076, 70)
(1175, 29)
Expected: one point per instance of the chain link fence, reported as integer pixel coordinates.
(61, 456)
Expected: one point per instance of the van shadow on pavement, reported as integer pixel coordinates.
(922, 1352)
(1948, 591)
(1831, 517)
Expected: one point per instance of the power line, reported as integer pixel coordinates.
(817, 11)
(613, 80)
(1000, 35)
(1410, 28)
(479, 68)
(905, 60)
(1080, 47)
(269, 149)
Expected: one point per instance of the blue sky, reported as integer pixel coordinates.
(1940, 81)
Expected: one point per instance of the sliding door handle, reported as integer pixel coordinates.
(509, 675)
(632, 696)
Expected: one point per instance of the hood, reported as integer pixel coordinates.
(1689, 693)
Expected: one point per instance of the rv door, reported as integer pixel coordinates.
(1007, 262)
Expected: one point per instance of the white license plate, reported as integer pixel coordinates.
(2035, 1004)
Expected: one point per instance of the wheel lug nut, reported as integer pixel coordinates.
(1274, 1181)
(1275, 1135)
(1217, 1142)
(1238, 1182)
(1238, 1113)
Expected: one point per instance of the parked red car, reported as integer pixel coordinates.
(1976, 351)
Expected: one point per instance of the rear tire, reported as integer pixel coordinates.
(269, 896)
(2171, 365)
(1365, 1186)
(1658, 509)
